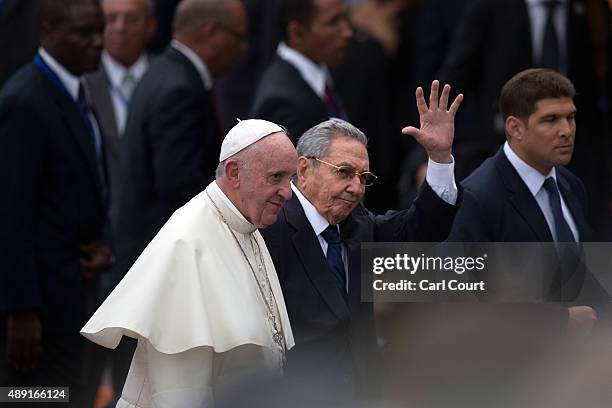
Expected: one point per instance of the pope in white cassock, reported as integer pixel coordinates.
(203, 299)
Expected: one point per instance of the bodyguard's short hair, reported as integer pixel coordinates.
(191, 14)
(521, 93)
(315, 141)
(295, 10)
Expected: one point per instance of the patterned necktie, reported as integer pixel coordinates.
(334, 257)
(127, 85)
(563, 232)
(550, 44)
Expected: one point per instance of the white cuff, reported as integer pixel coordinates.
(441, 179)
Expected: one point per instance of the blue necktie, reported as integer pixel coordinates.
(564, 234)
(2, 4)
(334, 257)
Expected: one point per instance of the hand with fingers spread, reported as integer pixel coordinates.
(437, 123)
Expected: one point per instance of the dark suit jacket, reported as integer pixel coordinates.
(102, 104)
(171, 150)
(51, 202)
(336, 341)
(283, 97)
(498, 207)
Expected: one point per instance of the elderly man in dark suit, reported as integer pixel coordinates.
(54, 202)
(172, 136)
(296, 90)
(315, 245)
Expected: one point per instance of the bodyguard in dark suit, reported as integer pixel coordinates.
(523, 193)
(296, 90)
(315, 246)
(53, 203)
(172, 137)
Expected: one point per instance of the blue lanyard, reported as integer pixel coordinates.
(53, 77)
(82, 111)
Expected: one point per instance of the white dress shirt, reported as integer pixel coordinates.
(535, 183)
(315, 75)
(72, 83)
(116, 73)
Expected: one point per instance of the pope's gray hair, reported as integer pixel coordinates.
(315, 141)
(243, 157)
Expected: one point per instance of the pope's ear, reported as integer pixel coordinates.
(232, 172)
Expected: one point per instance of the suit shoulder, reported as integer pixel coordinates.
(25, 90)
(280, 80)
(568, 175)
(574, 181)
(484, 181)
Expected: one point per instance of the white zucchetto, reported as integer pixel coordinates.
(244, 134)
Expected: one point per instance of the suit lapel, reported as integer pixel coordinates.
(353, 248)
(521, 198)
(307, 246)
(105, 112)
(211, 109)
(575, 208)
(305, 89)
(78, 129)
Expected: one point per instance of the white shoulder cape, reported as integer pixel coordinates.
(192, 287)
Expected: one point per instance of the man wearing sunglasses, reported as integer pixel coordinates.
(315, 246)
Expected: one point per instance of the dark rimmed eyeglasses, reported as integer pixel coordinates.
(348, 172)
(241, 37)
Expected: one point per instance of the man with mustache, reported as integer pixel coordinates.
(315, 245)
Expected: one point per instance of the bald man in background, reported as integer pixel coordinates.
(172, 137)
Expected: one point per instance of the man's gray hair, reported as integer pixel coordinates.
(315, 141)
(191, 14)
